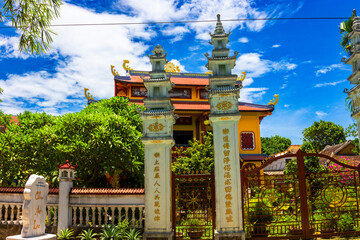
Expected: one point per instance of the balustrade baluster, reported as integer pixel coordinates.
(74, 223)
(87, 209)
(106, 220)
(112, 215)
(48, 215)
(55, 216)
(12, 213)
(141, 215)
(99, 216)
(133, 216)
(81, 216)
(18, 214)
(6, 214)
(126, 213)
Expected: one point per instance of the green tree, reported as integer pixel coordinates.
(274, 144)
(323, 133)
(33, 19)
(198, 157)
(103, 137)
(351, 132)
(345, 30)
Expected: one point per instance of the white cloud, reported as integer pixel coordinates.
(332, 67)
(286, 105)
(178, 32)
(320, 114)
(254, 66)
(329, 83)
(283, 86)
(87, 63)
(165, 10)
(252, 94)
(276, 46)
(243, 40)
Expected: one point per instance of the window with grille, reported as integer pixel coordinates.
(247, 141)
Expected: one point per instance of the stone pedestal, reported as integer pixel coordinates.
(42, 237)
(157, 188)
(229, 218)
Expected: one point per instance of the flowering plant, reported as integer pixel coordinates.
(346, 176)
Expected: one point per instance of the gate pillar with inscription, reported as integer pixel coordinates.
(354, 61)
(158, 120)
(224, 117)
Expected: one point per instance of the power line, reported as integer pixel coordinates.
(190, 21)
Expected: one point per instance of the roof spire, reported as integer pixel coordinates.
(219, 27)
(354, 12)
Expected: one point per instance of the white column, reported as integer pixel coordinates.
(64, 210)
(157, 189)
(229, 219)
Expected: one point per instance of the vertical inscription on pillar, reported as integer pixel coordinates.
(157, 186)
(227, 176)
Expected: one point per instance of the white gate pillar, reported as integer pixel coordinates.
(224, 117)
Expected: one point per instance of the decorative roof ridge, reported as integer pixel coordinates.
(255, 105)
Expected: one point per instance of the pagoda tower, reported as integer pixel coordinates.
(354, 61)
(158, 120)
(224, 117)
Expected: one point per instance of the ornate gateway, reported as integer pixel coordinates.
(303, 204)
(193, 206)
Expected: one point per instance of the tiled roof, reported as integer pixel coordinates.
(293, 148)
(205, 106)
(21, 190)
(335, 148)
(83, 191)
(178, 80)
(66, 165)
(107, 191)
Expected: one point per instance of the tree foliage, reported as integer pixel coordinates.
(33, 19)
(274, 144)
(345, 30)
(323, 133)
(103, 137)
(198, 157)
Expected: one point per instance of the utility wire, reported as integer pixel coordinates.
(190, 21)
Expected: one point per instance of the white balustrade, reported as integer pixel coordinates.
(52, 215)
(101, 215)
(10, 213)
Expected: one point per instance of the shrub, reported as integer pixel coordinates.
(65, 234)
(87, 235)
(345, 223)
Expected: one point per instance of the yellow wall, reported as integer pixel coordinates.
(249, 122)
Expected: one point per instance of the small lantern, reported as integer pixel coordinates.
(66, 171)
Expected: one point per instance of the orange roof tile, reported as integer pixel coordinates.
(108, 191)
(178, 80)
(21, 190)
(66, 165)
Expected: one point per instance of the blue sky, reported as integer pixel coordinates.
(297, 59)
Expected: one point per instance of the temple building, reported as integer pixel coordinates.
(189, 97)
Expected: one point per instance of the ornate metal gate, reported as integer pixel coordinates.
(304, 204)
(193, 206)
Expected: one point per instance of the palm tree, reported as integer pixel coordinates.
(345, 30)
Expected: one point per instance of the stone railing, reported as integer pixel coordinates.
(101, 215)
(87, 207)
(11, 213)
